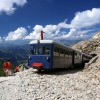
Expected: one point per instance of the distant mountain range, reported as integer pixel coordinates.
(15, 54)
(18, 51)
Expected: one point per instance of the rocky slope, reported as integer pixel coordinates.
(60, 85)
(91, 46)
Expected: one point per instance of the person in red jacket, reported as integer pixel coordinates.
(5, 68)
(9, 65)
(17, 69)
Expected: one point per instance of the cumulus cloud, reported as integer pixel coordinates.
(29, 26)
(20, 33)
(74, 30)
(76, 34)
(63, 24)
(51, 31)
(78, 28)
(0, 39)
(35, 34)
(9, 6)
(86, 18)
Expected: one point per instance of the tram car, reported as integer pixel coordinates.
(48, 54)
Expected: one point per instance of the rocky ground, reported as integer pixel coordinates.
(66, 84)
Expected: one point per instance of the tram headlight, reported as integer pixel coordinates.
(29, 58)
(48, 58)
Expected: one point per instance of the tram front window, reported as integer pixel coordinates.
(46, 50)
(31, 50)
(40, 50)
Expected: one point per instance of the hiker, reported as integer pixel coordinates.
(9, 68)
(26, 66)
(5, 68)
(21, 67)
(16, 69)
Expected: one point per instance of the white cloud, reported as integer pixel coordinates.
(33, 35)
(80, 25)
(51, 31)
(86, 18)
(0, 39)
(29, 26)
(70, 34)
(77, 34)
(74, 30)
(36, 33)
(38, 28)
(63, 25)
(20, 33)
(8, 6)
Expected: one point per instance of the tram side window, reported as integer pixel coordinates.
(75, 55)
(61, 53)
(46, 50)
(32, 50)
(79, 56)
(66, 54)
(56, 51)
(69, 54)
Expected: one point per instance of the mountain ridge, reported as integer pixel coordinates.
(90, 46)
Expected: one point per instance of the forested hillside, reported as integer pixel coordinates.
(16, 54)
(1, 68)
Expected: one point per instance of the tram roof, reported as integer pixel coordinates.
(51, 42)
(56, 43)
(46, 42)
(42, 42)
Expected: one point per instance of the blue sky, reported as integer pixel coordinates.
(59, 19)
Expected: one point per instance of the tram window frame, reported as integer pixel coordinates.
(75, 55)
(80, 56)
(32, 50)
(61, 52)
(46, 50)
(38, 50)
(70, 54)
(66, 54)
(56, 51)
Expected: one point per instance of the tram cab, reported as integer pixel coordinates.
(41, 54)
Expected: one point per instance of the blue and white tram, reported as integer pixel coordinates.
(47, 54)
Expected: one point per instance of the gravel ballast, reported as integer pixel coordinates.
(61, 85)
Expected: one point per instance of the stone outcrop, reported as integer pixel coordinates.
(96, 36)
(91, 46)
